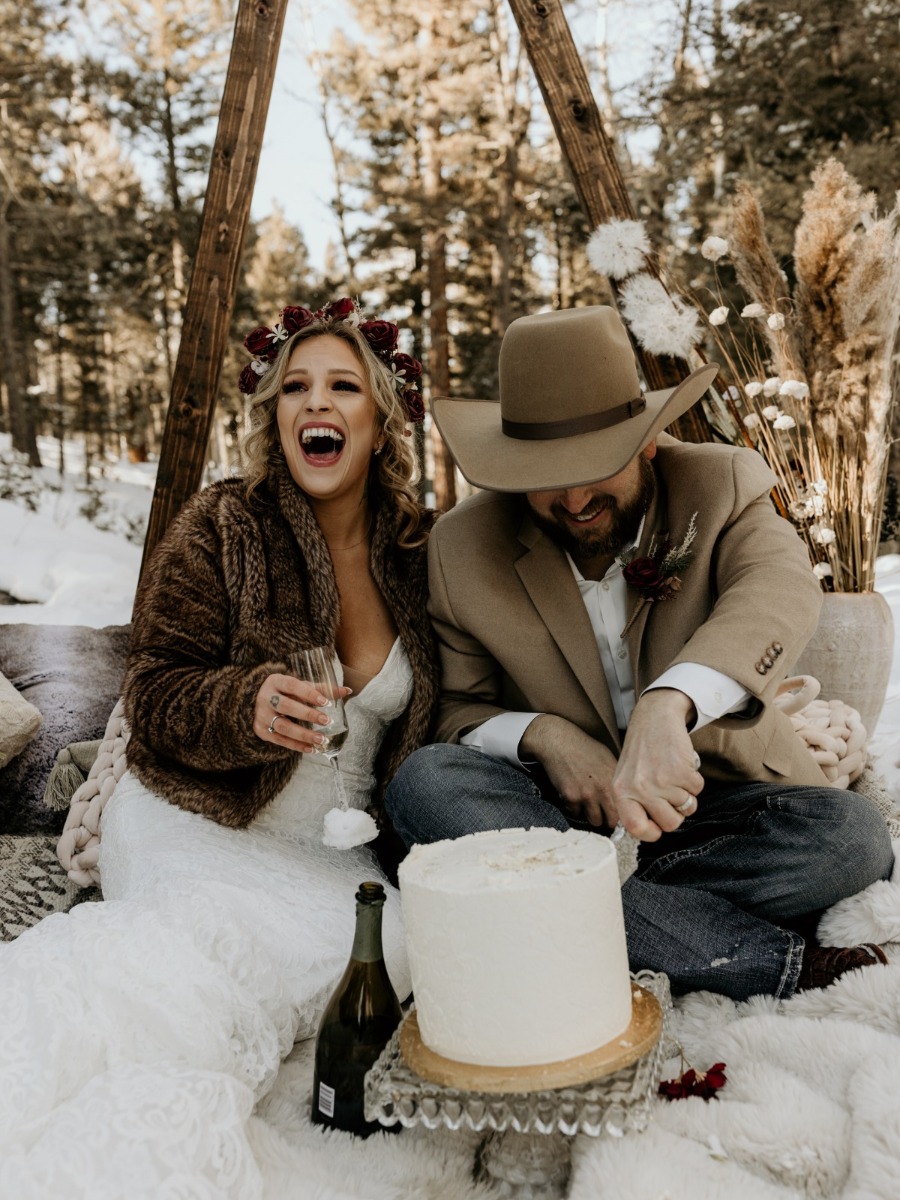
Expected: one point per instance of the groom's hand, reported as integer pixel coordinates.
(580, 768)
(657, 782)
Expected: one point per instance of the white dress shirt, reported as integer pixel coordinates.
(606, 600)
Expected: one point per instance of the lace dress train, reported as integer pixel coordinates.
(139, 1033)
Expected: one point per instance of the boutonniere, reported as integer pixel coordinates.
(655, 575)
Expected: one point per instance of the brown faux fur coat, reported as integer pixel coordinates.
(234, 587)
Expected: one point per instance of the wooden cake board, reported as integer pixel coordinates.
(640, 1036)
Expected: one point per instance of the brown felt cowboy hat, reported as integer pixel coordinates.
(571, 409)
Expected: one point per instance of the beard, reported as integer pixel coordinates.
(625, 520)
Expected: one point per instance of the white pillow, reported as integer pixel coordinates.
(19, 722)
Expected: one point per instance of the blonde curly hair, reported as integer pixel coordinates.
(392, 473)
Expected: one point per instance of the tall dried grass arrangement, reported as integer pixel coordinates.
(811, 385)
(840, 339)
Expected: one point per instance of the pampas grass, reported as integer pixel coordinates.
(810, 386)
(839, 338)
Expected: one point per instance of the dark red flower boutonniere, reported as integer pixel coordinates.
(655, 575)
(692, 1082)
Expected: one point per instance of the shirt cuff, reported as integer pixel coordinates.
(714, 694)
(500, 736)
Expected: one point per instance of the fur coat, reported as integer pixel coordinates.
(235, 586)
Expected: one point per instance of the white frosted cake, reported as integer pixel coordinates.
(516, 946)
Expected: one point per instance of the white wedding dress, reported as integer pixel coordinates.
(137, 1034)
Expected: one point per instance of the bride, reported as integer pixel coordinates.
(139, 1033)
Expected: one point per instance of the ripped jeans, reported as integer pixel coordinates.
(716, 904)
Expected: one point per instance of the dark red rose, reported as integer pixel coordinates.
(415, 405)
(294, 318)
(676, 1089)
(339, 309)
(644, 574)
(694, 1083)
(714, 1079)
(259, 341)
(381, 335)
(411, 367)
(247, 380)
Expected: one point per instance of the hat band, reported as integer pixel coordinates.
(539, 431)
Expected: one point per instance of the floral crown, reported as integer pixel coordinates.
(405, 371)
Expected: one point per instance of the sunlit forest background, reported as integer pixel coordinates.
(446, 188)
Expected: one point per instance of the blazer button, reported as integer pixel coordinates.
(770, 662)
(762, 670)
(777, 648)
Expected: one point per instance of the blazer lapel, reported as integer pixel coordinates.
(654, 525)
(547, 577)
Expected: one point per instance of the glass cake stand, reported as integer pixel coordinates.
(527, 1149)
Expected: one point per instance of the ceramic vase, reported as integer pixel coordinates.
(850, 652)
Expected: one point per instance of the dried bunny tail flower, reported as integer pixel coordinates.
(662, 324)
(714, 248)
(618, 249)
(761, 278)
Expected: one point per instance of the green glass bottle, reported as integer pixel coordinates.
(357, 1024)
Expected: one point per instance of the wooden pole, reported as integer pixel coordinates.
(589, 153)
(214, 279)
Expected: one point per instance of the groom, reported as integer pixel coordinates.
(615, 612)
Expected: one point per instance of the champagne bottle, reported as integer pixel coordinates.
(357, 1024)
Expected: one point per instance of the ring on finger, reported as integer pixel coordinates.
(687, 806)
(271, 726)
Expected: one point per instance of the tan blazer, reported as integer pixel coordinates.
(514, 633)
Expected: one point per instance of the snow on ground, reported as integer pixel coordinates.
(73, 573)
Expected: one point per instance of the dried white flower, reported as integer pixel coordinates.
(663, 324)
(617, 248)
(785, 422)
(771, 386)
(822, 534)
(800, 509)
(753, 310)
(771, 412)
(822, 571)
(794, 388)
(751, 420)
(820, 487)
(753, 388)
(259, 366)
(775, 321)
(719, 316)
(714, 248)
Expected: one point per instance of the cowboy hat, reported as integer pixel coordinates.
(571, 409)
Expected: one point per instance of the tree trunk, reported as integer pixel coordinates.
(314, 58)
(589, 154)
(21, 419)
(435, 247)
(223, 231)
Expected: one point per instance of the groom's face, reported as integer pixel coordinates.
(598, 518)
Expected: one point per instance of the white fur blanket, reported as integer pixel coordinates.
(811, 1108)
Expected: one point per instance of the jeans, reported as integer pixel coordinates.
(716, 904)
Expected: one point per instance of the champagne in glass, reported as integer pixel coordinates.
(317, 668)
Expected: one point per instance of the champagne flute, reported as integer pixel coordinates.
(316, 666)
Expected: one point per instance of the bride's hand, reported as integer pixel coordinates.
(282, 703)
